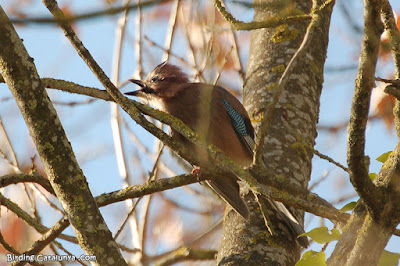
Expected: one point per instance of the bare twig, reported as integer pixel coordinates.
(187, 254)
(46, 199)
(191, 47)
(29, 220)
(223, 65)
(7, 246)
(238, 61)
(317, 182)
(89, 15)
(35, 177)
(195, 241)
(329, 159)
(171, 30)
(48, 237)
(166, 51)
(6, 140)
(116, 127)
(147, 201)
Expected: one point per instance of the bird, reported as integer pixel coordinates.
(220, 119)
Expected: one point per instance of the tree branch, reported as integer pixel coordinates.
(28, 219)
(48, 237)
(35, 177)
(270, 23)
(187, 254)
(358, 167)
(394, 41)
(393, 33)
(90, 15)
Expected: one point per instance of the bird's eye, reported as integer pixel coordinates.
(156, 79)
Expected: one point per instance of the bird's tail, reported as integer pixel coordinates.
(229, 191)
(291, 222)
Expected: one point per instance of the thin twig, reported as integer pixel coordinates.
(171, 30)
(95, 14)
(147, 201)
(344, 198)
(46, 199)
(191, 47)
(116, 125)
(329, 159)
(35, 177)
(7, 246)
(137, 143)
(30, 220)
(238, 61)
(179, 58)
(125, 221)
(317, 182)
(185, 208)
(187, 254)
(7, 142)
(195, 241)
(223, 65)
(48, 236)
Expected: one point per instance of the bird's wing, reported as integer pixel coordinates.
(242, 126)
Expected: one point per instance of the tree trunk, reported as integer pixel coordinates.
(291, 130)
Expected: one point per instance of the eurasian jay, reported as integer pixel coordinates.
(217, 116)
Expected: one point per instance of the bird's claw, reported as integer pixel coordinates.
(197, 173)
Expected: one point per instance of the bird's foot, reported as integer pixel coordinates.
(197, 173)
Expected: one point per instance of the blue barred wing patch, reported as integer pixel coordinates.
(237, 119)
(239, 124)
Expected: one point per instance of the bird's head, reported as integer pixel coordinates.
(161, 83)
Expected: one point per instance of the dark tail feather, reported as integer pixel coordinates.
(229, 191)
(293, 225)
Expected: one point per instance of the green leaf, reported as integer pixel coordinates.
(322, 235)
(389, 258)
(372, 176)
(383, 157)
(349, 206)
(336, 233)
(312, 257)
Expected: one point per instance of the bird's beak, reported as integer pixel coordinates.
(137, 92)
(138, 82)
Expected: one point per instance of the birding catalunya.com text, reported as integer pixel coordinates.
(49, 258)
